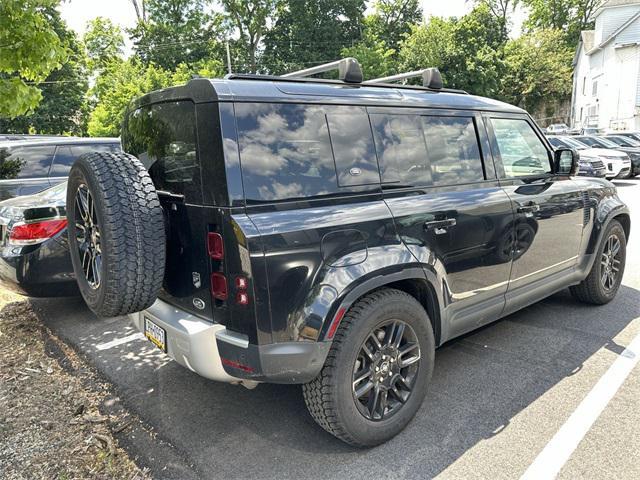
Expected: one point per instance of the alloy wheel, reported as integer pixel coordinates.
(385, 370)
(88, 236)
(610, 262)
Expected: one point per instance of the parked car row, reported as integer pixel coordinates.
(610, 156)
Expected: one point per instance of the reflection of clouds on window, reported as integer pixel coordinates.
(284, 151)
(401, 149)
(353, 148)
(453, 150)
(26, 162)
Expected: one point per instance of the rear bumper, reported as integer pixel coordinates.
(212, 351)
(42, 270)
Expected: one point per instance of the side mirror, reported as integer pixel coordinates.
(565, 161)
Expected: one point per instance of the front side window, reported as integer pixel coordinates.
(521, 151)
(285, 152)
(163, 137)
(25, 162)
(452, 148)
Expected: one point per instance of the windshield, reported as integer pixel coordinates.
(624, 141)
(591, 141)
(556, 142)
(607, 143)
(573, 143)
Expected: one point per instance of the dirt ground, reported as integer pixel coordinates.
(51, 424)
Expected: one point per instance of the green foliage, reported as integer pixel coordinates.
(62, 108)
(392, 21)
(538, 69)
(375, 58)
(178, 31)
(468, 50)
(123, 81)
(311, 32)
(104, 43)
(570, 16)
(29, 50)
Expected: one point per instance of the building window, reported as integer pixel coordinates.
(594, 89)
(584, 85)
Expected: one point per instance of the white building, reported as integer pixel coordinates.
(606, 75)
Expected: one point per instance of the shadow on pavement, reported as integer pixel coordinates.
(481, 381)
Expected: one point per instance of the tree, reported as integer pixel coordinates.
(468, 50)
(104, 42)
(375, 58)
(249, 17)
(178, 31)
(501, 9)
(124, 80)
(538, 69)
(570, 16)
(311, 32)
(29, 51)
(392, 20)
(62, 108)
(141, 11)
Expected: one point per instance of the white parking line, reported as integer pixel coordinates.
(548, 463)
(119, 341)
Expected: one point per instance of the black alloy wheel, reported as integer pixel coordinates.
(610, 262)
(88, 238)
(385, 370)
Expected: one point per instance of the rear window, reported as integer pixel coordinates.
(285, 151)
(163, 137)
(67, 154)
(25, 162)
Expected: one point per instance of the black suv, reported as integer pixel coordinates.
(35, 163)
(333, 233)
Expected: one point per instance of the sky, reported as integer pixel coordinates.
(78, 12)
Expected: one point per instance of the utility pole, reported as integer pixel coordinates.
(228, 57)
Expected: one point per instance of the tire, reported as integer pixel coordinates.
(594, 289)
(116, 227)
(330, 398)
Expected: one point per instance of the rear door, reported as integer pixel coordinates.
(439, 182)
(549, 210)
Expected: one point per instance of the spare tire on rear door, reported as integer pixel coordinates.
(116, 233)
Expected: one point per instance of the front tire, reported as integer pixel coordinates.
(603, 281)
(377, 370)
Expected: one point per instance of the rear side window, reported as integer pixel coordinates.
(452, 147)
(67, 154)
(163, 137)
(352, 144)
(401, 148)
(25, 162)
(285, 152)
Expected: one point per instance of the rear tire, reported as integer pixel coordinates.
(334, 398)
(116, 233)
(603, 281)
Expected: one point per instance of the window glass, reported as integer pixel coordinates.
(556, 142)
(25, 162)
(452, 148)
(285, 151)
(67, 154)
(353, 148)
(520, 149)
(402, 153)
(163, 137)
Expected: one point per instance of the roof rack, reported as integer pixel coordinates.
(349, 70)
(431, 78)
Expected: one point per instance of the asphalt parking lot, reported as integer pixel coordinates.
(498, 398)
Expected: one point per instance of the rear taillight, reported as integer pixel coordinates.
(219, 288)
(36, 232)
(215, 246)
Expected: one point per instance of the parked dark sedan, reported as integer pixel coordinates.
(34, 254)
(29, 166)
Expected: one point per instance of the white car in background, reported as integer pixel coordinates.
(558, 129)
(616, 163)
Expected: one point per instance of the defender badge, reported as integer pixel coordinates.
(195, 276)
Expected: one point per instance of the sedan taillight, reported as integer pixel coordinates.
(36, 232)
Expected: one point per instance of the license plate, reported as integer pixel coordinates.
(156, 334)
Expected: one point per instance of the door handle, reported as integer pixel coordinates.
(440, 226)
(529, 208)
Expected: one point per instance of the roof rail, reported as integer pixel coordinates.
(431, 78)
(349, 70)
